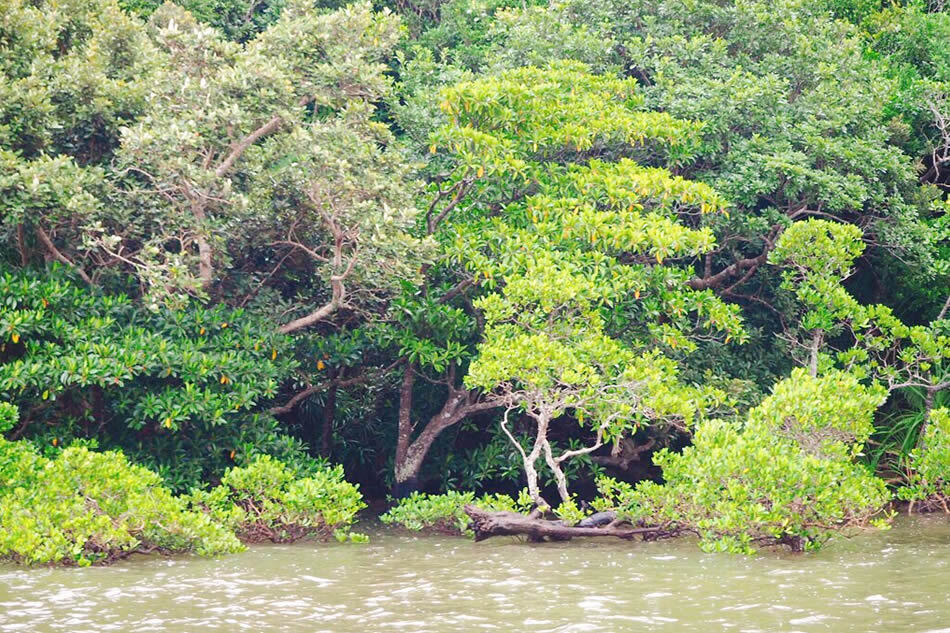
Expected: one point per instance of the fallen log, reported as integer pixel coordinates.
(487, 524)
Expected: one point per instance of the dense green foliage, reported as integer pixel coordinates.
(784, 477)
(471, 243)
(85, 507)
(444, 513)
(929, 465)
(266, 501)
(176, 390)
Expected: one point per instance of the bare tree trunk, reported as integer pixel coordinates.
(555, 467)
(21, 245)
(404, 436)
(205, 265)
(529, 460)
(411, 453)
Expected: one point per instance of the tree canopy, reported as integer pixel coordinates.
(489, 245)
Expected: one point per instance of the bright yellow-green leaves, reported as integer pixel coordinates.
(785, 477)
(445, 513)
(548, 114)
(590, 238)
(9, 414)
(819, 248)
(817, 256)
(84, 507)
(814, 412)
(929, 464)
(266, 501)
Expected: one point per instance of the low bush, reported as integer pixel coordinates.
(266, 501)
(84, 507)
(928, 466)
(445, 513)
(784, 478)
(740, 489)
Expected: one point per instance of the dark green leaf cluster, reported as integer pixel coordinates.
(172, 387)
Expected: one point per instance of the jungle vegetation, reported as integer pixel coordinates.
(682, 262)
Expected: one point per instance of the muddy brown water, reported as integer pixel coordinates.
(892, 582)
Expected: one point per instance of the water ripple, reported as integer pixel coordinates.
(892, 581)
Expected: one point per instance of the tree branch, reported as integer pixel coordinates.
(242, 145)
(943, 311)
(317, 315)
(747, 264)
(58, 256)
(293, 402)
(725, 274)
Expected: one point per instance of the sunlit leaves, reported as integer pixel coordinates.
(85, 507)
(547, 114)
(267, 501)
(783, 478)
(929, 464)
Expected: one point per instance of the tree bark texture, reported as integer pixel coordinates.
(487, 524)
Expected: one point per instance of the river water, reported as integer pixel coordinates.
(889, 582)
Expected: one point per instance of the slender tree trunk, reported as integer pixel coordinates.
(205, 265)
(559, 476)
(531, 458)
(21, 245)
(406, 477)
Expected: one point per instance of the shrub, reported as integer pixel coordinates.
(445, 513)
(265, 501)
(928, 465)
(739, 489)
(785, 478)
(85, 507)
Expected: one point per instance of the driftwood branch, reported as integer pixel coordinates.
(487, 524)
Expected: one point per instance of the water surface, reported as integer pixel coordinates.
(893, 582)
